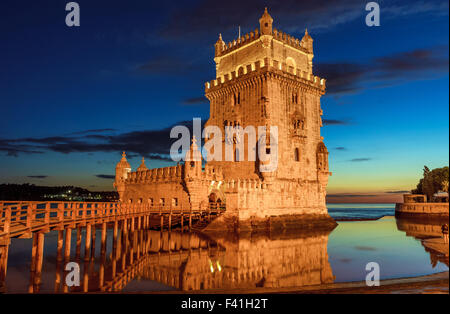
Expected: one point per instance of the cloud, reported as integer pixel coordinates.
(365, 248)
(105, 176)
(173, 65)
(195, 101)
(397, 192)
(340, 148)
(360, 159)
(335, 122)
(204, 17)
(351, 195)
(152, 144)
(93, 131)
(350, 78)
(37, 177)
(164, 64)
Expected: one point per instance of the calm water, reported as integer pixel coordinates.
(360, 211)
(183, 261)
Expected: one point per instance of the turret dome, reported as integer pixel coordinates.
(123, 163)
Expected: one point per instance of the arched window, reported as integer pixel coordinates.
(297, 154)
(150, 202)
(290, 62)
(174, 202)
(162, 202)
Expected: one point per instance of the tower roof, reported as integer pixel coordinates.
(266, 16)
(306, 36)
(220, 40)
(142, 167)
(123, 163)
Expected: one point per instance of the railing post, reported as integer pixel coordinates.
(47, 213)
(60, 212)
(84, 211)
(30, 215)
(7, 224)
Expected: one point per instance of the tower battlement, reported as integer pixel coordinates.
(266, 65)
(267, 42)
(248, 38)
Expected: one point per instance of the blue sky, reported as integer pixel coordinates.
(73, 98)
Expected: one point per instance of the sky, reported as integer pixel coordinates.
(73, 98)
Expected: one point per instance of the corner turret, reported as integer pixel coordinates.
(219, 46)
(122, 170)
(307, 42)
(265, 23)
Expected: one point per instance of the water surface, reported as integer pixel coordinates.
(150, 260)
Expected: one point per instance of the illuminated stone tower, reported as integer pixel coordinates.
(265, 78)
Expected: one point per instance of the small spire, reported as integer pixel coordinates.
(306, 34)
(123, 163)
(142, 167)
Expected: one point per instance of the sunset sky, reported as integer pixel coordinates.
(73, 98)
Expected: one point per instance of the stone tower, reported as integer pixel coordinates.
(265, 78)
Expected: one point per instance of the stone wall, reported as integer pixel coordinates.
(431, 209)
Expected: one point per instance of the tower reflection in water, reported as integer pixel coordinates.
(189, 261)
(141, 259)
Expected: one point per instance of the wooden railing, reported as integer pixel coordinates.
(21, 218)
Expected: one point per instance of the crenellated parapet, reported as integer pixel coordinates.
(245, 73)
(165, 174)
(232, 185)
(238, 43)
(290, 41)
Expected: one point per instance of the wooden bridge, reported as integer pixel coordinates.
(35, 219)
